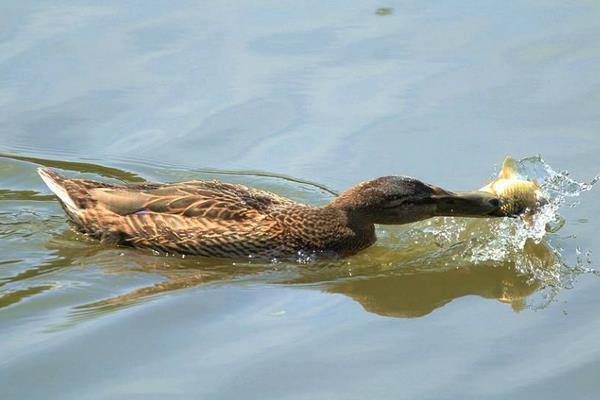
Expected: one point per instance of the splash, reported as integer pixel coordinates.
(528, 243)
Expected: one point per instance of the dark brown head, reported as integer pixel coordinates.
(401, 200)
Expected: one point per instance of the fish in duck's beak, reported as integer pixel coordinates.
(467, 204)
(519, 195)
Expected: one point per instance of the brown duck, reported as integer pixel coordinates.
(218, 219)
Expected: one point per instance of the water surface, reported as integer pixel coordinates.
(303, 99)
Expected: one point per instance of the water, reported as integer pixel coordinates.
(303, 99)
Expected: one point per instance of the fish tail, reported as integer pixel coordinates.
(509, 168)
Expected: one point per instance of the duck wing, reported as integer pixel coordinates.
(199, 217)
(207, 199)
(210, 218)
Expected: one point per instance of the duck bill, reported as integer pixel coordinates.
(468, 204)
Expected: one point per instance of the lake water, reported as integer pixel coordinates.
(304, 99)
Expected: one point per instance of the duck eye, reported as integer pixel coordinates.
(405, 202)
(394, 203)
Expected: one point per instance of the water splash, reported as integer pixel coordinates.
(528, 242)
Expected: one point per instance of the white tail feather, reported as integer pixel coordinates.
(58, 190)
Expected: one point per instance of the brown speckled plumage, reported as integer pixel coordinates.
(217, 219)
(208, 218)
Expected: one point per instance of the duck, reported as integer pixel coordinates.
(213, 218)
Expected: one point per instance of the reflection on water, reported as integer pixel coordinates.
(410, 272)
(416, 294)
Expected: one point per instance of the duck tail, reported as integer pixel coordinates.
(56, 183)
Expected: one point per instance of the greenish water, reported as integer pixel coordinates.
(303, 99)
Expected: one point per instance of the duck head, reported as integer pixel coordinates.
(402, 200)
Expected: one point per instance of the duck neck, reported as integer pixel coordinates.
(352, 232)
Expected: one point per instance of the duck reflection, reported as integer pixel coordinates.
(415, 294)
(405, 290)
(415, 290)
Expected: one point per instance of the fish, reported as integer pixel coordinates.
(519, 196)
